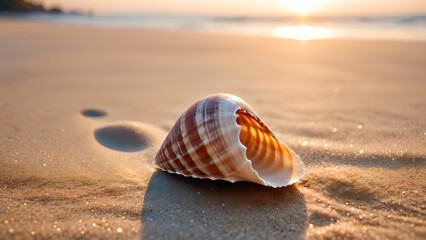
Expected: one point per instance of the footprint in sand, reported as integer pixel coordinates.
(125, 136)
(93, 113)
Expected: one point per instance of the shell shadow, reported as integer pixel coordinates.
(177, 207)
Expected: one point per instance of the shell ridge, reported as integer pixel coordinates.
(192, 149)
(182, 148)
(211, 126)
(207, 160)
(186, 159)
(176, 162)
(174, 159)
(190, 121)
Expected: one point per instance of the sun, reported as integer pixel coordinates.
(303, 7)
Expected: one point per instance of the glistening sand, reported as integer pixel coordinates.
(355, 111)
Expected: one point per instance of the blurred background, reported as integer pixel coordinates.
(294, 19)
(89, 90)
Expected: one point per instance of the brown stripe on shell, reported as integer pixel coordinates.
(175, 152)
(206, 150)
(170, 155)
(214, 134)
(186, 157)
(160, 158)
(206, 122)
(196, 143)
(178, 157)
(184, 161)
(181, 167)
(166, 154)
(168, 166)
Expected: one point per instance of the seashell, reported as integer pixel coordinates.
(221, 137)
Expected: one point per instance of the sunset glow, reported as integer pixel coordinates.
(244, 7)
(304, 7)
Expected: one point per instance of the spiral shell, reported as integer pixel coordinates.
(221, 137)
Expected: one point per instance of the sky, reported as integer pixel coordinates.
(246, 7)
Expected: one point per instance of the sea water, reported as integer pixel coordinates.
(400, 28)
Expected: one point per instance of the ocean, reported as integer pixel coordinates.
(397, 28)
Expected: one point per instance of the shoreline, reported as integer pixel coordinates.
(241, 33)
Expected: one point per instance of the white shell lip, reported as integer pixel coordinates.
(296, 157)
(247, 172)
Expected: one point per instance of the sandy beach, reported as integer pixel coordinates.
(83, 111)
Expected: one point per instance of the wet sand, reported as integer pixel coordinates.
(84, 110)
